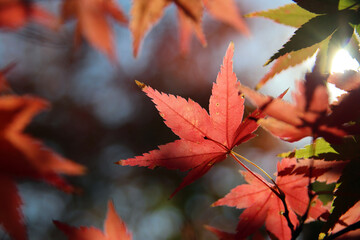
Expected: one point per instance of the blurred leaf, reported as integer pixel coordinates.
(93, 24)
(289, 60)
(324, 191)
(114, 229)
(346, 4)
(318, 148)
(290, 15)
(346, 195)
(319, 6)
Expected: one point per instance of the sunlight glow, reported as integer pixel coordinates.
(334, 92)
(343, 61)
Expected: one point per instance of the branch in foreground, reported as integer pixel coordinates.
(349, 228)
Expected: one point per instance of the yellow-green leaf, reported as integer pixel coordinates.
(290, 15)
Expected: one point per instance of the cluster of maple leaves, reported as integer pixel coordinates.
(283, 205)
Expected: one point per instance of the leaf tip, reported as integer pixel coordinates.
(231, 45)
(283, 94)
(119, 162)
(268, 62)
(140, 84)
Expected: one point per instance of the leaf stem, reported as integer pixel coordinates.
(258, 167)
(232, 154)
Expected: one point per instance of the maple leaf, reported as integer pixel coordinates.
(311, 114)
(346, 194)
(92, 22)
(24, 157)
(114, 229)
(15, 14)
(4, 86)
(319, 6)
(347, 81)
(11, 217)
(325, 20)
(263, 206)
(289, 60)
(295, 16)
(289, 14)
(147, 13)
(352, 216)
(326, 163)
(204, 139)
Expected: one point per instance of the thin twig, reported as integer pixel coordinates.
(349, 228)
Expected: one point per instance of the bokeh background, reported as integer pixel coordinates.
(98, 116)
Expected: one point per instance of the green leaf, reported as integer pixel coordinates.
(347, 193)
(321, 147)
(319, 6)
(348, 150)
(290, 15)
(351, 4)
(312, 32)
(289, 60)
(324, 191)
(353, 47)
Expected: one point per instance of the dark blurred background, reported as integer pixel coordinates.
(99, 116)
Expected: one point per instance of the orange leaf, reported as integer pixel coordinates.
(115, 229)
(15, 14)
(93, 23)
(25, 157)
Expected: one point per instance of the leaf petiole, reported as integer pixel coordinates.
(258, 167)
(232, 154)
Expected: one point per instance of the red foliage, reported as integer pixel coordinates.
(25, 157)
(114, 229)
(204, 139)
(263, 206)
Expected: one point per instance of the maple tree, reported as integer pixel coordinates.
(317, 183)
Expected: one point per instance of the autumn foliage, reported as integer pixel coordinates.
(280, 207)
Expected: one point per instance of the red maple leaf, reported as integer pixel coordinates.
(146, 13)
(115, 229)
(263, 206)
(312, 115)
(15, 14)
(204, 139)
(352, 216)
(320, 170)
(92, 22)
(24, 157)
